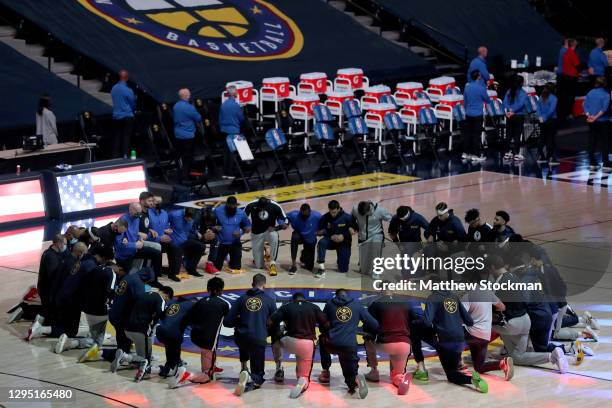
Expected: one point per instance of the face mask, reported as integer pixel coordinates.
(63, 249)
(73, 241)
(147, 288)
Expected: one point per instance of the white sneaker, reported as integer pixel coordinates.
(508, 155)
(35, 331)
(518, 157)
(178, 378)
(481, 158)
(40, 319)
(588, 351)
(61, 344)
(590, 334)
(591, 321)
(117, 361)
(464, 155)
(362, 386)
(16, 315)
(473, 157)
(243, 377)
(558, 358)
(299, 388)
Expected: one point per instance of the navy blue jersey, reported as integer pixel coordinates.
(447, 315)
(97, 288)
(338, 225)
(408, 230)
(127, 290)
(173, 323)
(249, 314)
(344, 315)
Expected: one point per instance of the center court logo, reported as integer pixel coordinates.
(243, 30)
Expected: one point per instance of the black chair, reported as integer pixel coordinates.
(332, 151)
(366, 150)
(248, 169)
(286, 160)
(164, 117)
(164, 153)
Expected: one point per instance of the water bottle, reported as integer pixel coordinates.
(133, 155)
(526, 61)
(18, 170)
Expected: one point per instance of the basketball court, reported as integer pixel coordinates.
(574, 214)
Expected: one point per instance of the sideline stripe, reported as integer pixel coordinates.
(312, 189)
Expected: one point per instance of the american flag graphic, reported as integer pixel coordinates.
(100, 189)
(22, 248)
(21, 200)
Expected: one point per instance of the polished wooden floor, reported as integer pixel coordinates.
(549, 212)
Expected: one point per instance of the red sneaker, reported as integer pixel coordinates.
(217, 369)
(210, 269)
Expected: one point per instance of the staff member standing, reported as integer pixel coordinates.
(369, 217)
(596, 106)
(568, 80)
(230, 120)
(124, 103)
(186, 117)
(562, 51)
(547, 115)
(598, 61)
(515, 103)
(480, 64)
(475, 96)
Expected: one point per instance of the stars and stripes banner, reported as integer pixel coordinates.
(21, 248)
(101, 189)
(21, 200)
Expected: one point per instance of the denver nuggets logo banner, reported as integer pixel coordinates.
(204, 44)
(227, 29)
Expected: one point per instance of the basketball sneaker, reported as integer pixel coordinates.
(61, 344)
(507, 366)
(117, 361)
(279, 375)
(299, 388)
(324, 377)
(181, 376)
(16, 315)
(273, 271)
(373, 375)
(243, 377)
(404, 384)
(480, 384)
(421, 375)
(518, 157)
(578, 351)
(142, 370)
(210, 269)
(591, 321)
(588, 333)
(34, 331)
(558, 358)
(293, 270)
(362, 386)
(89, 354)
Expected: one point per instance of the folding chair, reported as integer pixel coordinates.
(247, 168)
(389, 99)
(351, 109)
(366, 150)
(277, 142)
(398, 139)
(427, 128)
(331, 151)
(495, 120)
(164, 153)
(164, 116)
(89, 128)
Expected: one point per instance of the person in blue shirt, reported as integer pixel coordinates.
(337, 228)
(344, 315)
(186, 118)
(475, 96)
(562, 51)
(598, 61)
(124, 103)
(479, 64)
(515, 104)
(231, 117)
(547, 115)
(305, 223)
(185, 245)
(248, 316)
(131, 244)
(159, 222)
(596, 106)
(233, 223)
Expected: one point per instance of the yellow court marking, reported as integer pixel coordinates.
(314, 189)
